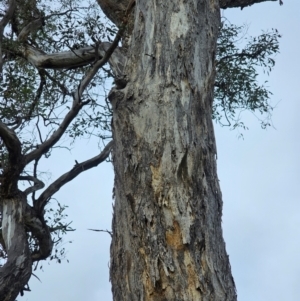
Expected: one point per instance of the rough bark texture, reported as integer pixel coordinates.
(17, 270)
(167, 238)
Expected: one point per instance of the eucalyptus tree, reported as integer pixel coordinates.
(166, 62)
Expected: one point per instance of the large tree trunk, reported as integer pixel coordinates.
(167, 236)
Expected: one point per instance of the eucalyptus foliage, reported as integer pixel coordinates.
(239, 61)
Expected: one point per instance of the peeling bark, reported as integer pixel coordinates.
(167, 238)
(17, 270)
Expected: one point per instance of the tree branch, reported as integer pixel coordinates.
(239, 3)
(46, 145)
(242, 54)
(90, 75)
(35, 222)
(12, 144)
(8, 15)
(70, 175)
(38, 184)
(37, 96)
(73, 59)
(96, 230)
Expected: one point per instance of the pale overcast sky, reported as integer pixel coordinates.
(259, 178)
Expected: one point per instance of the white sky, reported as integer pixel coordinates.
(259, 178)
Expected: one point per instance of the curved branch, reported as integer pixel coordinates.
(45, 146)
(38, 184)
(70, 175)
(9, 182)
(41, 232)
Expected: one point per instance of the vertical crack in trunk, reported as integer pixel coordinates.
(167, 242)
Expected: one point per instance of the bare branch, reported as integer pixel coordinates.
(240, 3)
(90, 75)
(45, 146)
(116, 60)
(35, 175)
(70, 175)
(96, 230)
(38, 184)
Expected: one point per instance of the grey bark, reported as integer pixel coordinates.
(167, 238)
(17, 270)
